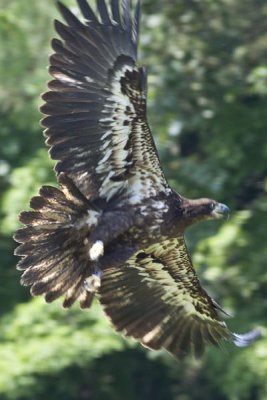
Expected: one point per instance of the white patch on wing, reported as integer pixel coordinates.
(140, 187)
(65, 78)
(88, 79)
(127, 144)
(113, 163)
(145, 182)
(150, 335)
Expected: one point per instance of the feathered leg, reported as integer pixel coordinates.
(111, 226)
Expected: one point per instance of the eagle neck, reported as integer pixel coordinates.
(192, 212)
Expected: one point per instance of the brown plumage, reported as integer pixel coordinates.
(114, 227)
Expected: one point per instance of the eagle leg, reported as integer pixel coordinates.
(116, 256)
(93, 282)
(111, 225)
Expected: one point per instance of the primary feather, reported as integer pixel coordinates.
(114, 227)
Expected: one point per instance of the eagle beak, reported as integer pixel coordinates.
(220, 211)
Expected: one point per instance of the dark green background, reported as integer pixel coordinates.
(208, 109)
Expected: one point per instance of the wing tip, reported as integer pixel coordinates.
(66, 13)
(60, 5)
(87, 11)
(246, 339)
(137, 18)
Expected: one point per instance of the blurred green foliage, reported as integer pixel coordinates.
(207, 106)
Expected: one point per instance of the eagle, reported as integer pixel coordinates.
(114, 227)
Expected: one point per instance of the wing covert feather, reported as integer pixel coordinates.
(157, 299)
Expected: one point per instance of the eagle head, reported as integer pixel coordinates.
(203, 209)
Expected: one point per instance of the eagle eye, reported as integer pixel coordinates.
(212, 206)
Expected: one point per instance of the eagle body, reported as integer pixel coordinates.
(114, 227)
(148, 222)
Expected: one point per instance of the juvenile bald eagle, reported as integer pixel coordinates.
(114, 227)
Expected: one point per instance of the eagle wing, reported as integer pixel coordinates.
(96, 122)
(157, 299)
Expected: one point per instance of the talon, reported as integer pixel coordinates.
(93, 282)
(96, 250)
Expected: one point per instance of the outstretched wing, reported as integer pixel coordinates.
(96, 125)
(158, 299)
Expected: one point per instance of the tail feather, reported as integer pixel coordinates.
(54, 244)
(78, 292)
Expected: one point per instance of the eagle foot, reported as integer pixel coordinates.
(94, 281)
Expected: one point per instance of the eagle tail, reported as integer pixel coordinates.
(54, 245)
